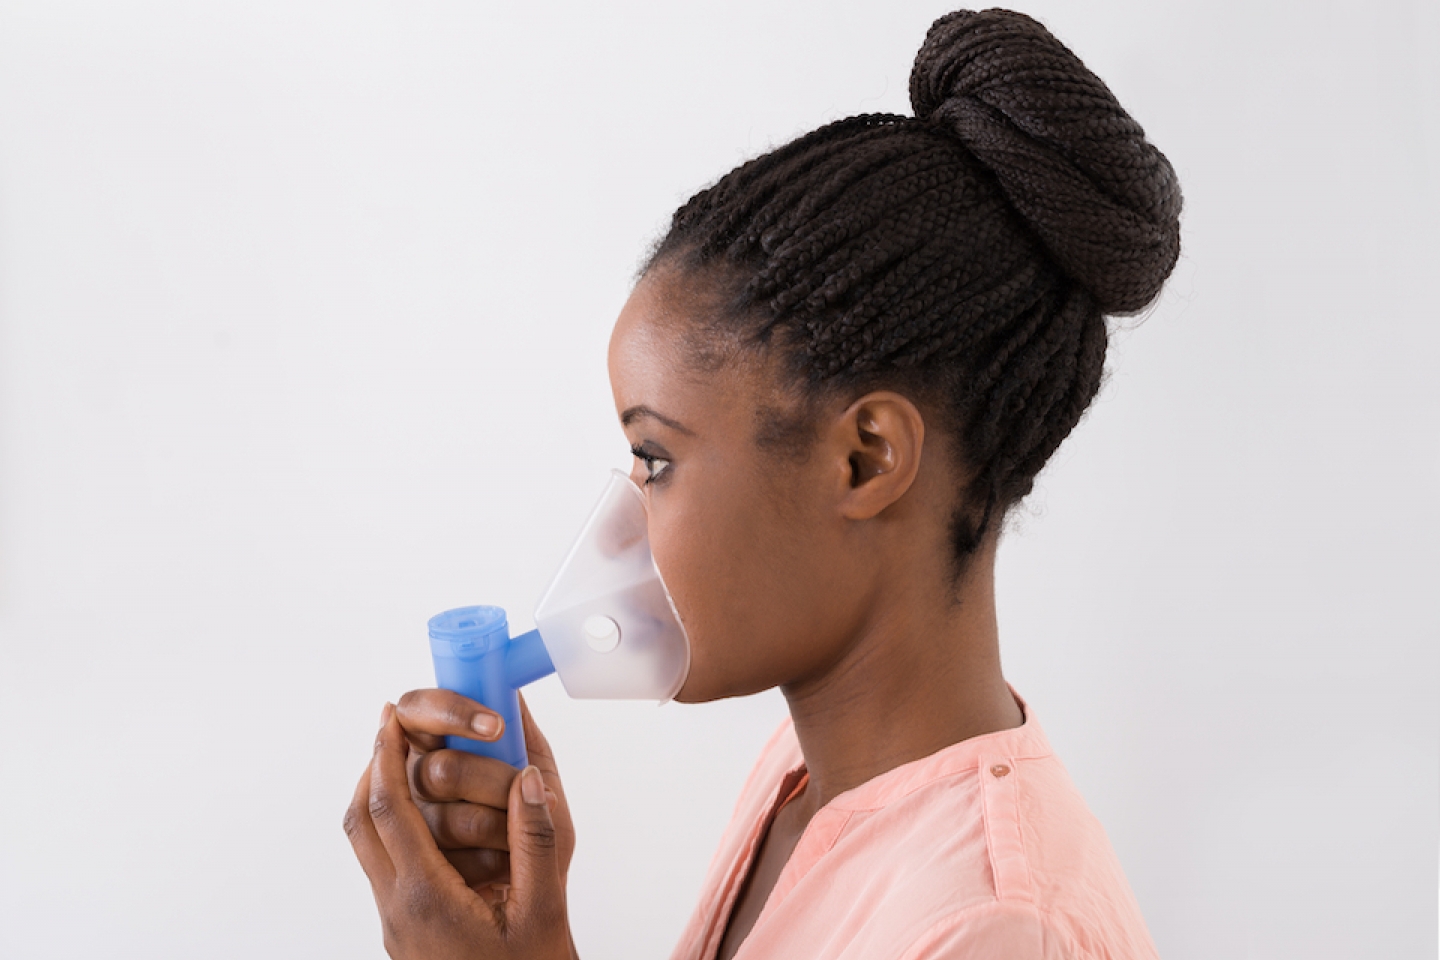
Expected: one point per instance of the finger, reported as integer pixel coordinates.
(428, 716)
(480, 868)
(537, 894)
(541, 755)
(447, 775)
(364, 838)
(398, 823)
(464, 826)
(412, 761)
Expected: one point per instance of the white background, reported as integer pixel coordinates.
(303, 308)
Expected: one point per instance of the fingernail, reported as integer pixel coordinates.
(532, 787)
(551, 799)
(385, 713)
(487, 725)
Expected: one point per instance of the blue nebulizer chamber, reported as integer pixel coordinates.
(606, 625)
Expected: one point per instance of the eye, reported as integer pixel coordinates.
(656, 467)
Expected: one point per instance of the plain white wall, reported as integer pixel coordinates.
(303, 306)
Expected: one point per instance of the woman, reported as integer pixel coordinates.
(842, 365)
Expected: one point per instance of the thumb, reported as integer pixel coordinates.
(537, 896)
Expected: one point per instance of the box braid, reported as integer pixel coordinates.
(968, 255)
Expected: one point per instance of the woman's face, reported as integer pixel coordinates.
(745, 535)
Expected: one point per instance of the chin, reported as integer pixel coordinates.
(694, 691)
(700, 688)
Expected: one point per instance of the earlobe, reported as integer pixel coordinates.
(883, 435)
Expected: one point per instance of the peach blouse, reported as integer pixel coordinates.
(982, 850)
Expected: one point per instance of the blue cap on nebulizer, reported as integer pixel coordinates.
(606, 625)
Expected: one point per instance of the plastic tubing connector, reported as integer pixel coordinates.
(475, 656)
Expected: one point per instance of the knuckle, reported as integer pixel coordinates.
(540, 836)
(477, 824)
(457, 716)
(441, 772)
(496, 863)
(479, 867)
(422, 778)
(417, 712)
(351, 823)
(381, 808)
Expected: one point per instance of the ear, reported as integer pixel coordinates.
(880, 437)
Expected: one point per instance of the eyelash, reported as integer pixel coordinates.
(650, 460)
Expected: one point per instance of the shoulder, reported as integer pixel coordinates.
(987, 849)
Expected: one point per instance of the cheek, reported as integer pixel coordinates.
(701, 542)
(700, 546)
(738, 571)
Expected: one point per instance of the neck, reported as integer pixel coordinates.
(922, 674)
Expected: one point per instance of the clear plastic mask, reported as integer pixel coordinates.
(607, 620)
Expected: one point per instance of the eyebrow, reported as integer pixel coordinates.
(642, 412)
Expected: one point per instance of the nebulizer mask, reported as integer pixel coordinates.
(605, 624)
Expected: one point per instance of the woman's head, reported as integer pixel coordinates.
(961, 262)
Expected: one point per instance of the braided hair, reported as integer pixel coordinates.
(967, 256)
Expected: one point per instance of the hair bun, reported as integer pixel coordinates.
(1075, 165)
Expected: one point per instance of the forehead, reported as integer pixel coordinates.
(655, 359)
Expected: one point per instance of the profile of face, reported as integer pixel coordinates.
(759, 546)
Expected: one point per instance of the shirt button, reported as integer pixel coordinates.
(1000, 770)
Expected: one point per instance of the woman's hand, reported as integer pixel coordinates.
(426, 908)
(463, 797)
